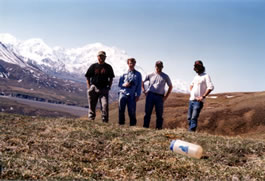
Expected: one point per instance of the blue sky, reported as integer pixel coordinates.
(227, 35)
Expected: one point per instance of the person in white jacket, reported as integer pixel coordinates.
(200, 87)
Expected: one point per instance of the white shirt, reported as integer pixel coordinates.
(200, 85)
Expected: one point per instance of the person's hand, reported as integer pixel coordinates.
(144, 92)
(137, 98)
(88, 86)
(199, 99)
(126, 84)
(164, 98)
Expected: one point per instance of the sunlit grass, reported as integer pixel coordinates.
(45, 148)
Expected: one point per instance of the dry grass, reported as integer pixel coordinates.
(242, 114)
(45, 148)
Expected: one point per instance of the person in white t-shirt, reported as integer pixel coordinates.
(200, 87)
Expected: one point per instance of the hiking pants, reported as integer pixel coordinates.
(94, 94)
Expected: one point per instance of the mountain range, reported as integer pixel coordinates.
(60, 61)
(34, 63)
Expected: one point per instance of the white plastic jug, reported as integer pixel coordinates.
(186, 148)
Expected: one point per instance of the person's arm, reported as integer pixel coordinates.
(139, 86)
(168, 92)
(88, 75)
(210, 88)
(88, 83)
(208, 91)
(143, 88)
(192, 84)
(170, 87)
(191, 87)
(146, 79)
(111, 76)
(121, 81)
(110, 82)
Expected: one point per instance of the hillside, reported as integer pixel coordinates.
(34, 84)
(42, 148)
(223, 114)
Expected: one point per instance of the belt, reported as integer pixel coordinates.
(157, 94)
(196, 101)
(99, 87)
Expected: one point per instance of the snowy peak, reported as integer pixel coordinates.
(9, 56)
(73, 61)
(65, 63)
(8, 39)
(35, 49)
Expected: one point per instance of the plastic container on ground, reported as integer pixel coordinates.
(186, 148)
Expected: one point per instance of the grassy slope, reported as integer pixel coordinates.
(242, 114)
(45, 148)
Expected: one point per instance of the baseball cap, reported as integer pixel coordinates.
(102, 53)
(198, 62)
(159, 63)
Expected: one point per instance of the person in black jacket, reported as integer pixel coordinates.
(99, 80)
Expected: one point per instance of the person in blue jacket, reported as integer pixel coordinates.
(130, 91)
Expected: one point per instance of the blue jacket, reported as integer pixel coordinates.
(135, 79)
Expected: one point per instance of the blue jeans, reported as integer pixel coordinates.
(195, 108)
(152, 100)
(131, 106)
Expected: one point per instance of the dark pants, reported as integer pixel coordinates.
(131, 106)
(195, 108)
(152, 100)
(94, 94)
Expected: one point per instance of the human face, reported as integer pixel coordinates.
(198, 68)
(159, 69)
(131, 65)
(101, 59)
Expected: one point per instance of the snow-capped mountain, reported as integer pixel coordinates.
(59, 60)
(65, 63)
(31, 83)
(10, 57)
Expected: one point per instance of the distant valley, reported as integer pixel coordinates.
(37, 108)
